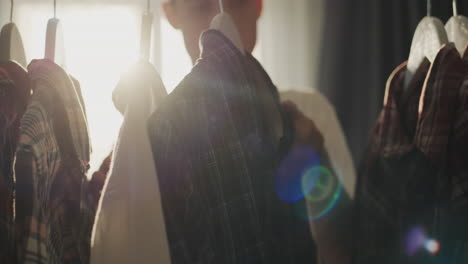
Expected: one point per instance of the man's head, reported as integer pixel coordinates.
(193, 17)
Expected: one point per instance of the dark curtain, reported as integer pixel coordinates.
(364, 40)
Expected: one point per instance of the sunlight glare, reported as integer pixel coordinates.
(175, 60)
(101, 42)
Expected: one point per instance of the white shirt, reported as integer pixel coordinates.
(316, 107)
(129, 225)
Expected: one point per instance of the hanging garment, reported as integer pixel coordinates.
(216, 151)
(403, 185)
(14, 96)
(50, 169)
(96, 184)
(129, 226)
(459, 145)
(455, 236)
(316, 107)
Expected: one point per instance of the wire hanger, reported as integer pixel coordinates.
(221, 6)
(429, 37)
(55, 46)
(429, 7)
(457, 29)
(11, 43)
(12, 7)
(146, 26)
(225, 24)
(455, 8)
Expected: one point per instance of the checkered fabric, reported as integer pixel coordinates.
(455, 215)
(459, 145)
(51, 162)
(215, 152)
(14, 95)
(403, 184)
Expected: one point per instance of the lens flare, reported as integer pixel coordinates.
(432, 246)
(288, 181)
(317, 183)
(321, 190)
(417, 240)
(311, 188)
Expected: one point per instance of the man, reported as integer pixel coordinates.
(196, 231)
(192, 17)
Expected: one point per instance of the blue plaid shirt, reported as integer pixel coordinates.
(216, 148)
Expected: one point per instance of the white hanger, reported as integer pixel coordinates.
(457, 29)
(11, 43)
(146, 25)
(55, 46)
(224, 23)
(429, 37)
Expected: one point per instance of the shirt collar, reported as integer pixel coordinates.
(437, 103)
(213, 43)
(400, 110)
(51, 76)
(435, 109)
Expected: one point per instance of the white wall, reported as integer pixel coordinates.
(289, 41)
(4, 11)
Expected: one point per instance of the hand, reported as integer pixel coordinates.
(306, 133)
(100, 176)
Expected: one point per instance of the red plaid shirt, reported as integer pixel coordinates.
(428, 128)
(459, 145)
(437, 104)
(405, 177)
(396, 124)
(52, 222)
(14, 95)
(96, 184)
(457, 212)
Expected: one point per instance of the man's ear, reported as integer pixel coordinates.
(259, 7)
(170, 12)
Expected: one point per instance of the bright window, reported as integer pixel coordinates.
(101, 42)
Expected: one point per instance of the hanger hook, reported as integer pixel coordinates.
(455, 8)
(148, 7)
(221, 6)
(12, 7)
(55, 9)
(429, 7)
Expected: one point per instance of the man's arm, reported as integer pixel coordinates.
(333, 231)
